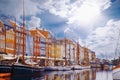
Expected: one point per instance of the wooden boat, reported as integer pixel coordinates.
(6, 57)
(21, 66)
(6, 63)
(25, 69)
(5, 68)
(29, 67)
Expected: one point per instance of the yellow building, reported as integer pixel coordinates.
(6, 39)
(55, 52)
(10, 41)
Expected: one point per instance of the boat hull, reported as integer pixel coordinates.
(66, 68)
(51, 68)
(116, 73)
(5, 68)
(57, 68)
(86, 67)
(76, 67)
(25, 69)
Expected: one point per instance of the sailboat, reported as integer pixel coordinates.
(22, 64)
(29, 64)
(116, 72)
(7, 53)
(116, 68)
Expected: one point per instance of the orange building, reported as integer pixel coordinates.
(6, 38)
(38, 36)
(93, 56)
(14, 38)
(50, 47)
(10, 41)
(2, 37)
(86, 56)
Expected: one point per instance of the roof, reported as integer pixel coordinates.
(40, 33)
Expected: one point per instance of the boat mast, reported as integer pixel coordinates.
(5, 39)
(69, 51)
(117, 44)
(23, 51)
(47, 52)
(77, 53)
(15, 38)
(55, 54)
(74, 53)
(35, 45)
(48, 49)
(116, 50)
(65, 53)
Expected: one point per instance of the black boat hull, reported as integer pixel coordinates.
(21, 69)
(5, 68)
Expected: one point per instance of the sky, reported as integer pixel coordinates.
(93, 23)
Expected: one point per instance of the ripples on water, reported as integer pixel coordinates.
(89, 74)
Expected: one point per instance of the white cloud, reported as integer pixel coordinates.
(77, 12)
(81, 14)
(103, 40)
(34, 22)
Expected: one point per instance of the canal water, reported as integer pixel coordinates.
(88, 74)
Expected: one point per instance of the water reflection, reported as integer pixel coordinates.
(89, 74)
(94, 74)
(72, 75)
(5, 76)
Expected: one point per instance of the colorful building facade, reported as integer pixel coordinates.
(2, 37)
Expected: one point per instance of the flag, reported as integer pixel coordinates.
(8, 27)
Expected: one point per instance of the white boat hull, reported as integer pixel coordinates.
(116, 73)
(51, 68)
(57, 68)
(77, 67)
(86, 67)
(66, 68)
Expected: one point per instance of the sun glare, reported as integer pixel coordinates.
(87, 13)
